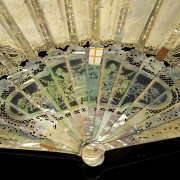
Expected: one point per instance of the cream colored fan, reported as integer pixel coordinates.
(59, 94)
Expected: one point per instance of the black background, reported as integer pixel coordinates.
(137, 162)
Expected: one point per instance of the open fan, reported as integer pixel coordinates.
(67, 103)
(59, 94)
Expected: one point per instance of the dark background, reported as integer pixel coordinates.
(137, 162)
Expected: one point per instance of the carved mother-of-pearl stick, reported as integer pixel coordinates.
(121, 21)
(70, 21)
(37, 14)
(149, 25)
(19, 36)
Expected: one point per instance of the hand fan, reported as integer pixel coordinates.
(84, 77)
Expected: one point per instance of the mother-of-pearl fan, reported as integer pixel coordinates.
(122, 90)
(64, 103)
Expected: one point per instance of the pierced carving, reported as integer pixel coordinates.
(14, 55)
(3, 71)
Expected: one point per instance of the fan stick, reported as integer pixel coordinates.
(130, 67)
(76, 63)
(160, 104)
(165, 131)
(148, 70)
(109, 70)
